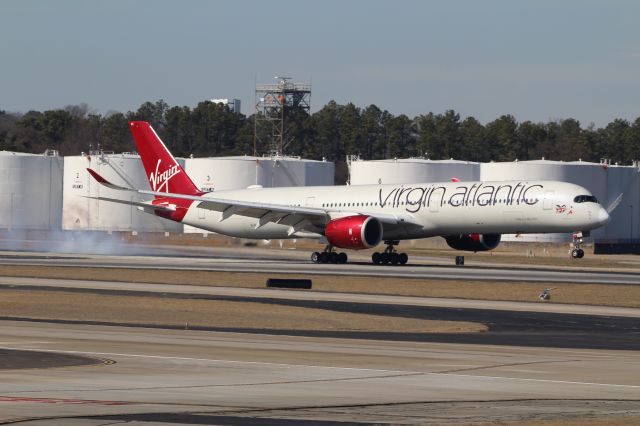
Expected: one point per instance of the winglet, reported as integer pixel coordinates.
(615, 203)
(103, 181)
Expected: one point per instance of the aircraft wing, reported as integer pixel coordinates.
(295, 216)
(287, 215)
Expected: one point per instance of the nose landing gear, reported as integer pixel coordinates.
(390, 255)
(577, 252)
(329, 256)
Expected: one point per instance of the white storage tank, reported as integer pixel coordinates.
(592, 176)
(411, 170)
(30, 190)
(223, 173)
(79, 213)
(220, 173)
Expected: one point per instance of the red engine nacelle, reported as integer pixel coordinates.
(354, 232)
(473, 242)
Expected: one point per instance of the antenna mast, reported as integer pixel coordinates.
(274, 103)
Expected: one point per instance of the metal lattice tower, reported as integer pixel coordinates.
(273, 103)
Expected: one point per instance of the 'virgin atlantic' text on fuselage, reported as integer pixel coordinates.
(477, 194)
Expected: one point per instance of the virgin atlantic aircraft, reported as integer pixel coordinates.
(470, 216)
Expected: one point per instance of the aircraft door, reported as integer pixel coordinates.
(547, 203)
(310, 201)
(435, 199)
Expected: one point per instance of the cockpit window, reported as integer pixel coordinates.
(585, 199)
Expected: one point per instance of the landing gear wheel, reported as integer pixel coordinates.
(390, 255)
(328, 256)
(577, 253)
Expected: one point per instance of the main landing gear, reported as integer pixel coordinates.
(577, 252)
(328, 256)
(390, 255)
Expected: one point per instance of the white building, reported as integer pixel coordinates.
(30, 190)
(411, 170)
(233, 104)
(80, 213)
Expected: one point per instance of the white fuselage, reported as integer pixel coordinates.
(437, 208)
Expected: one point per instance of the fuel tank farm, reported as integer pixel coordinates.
(411, 170)
(81, 213)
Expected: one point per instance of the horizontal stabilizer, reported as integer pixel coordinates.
(141, 204)
(104, 182)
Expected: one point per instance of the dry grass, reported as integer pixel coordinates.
(208, 313)
(588, 294)
(575, 421)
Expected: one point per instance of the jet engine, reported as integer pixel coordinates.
(354, 232)
(473, 242)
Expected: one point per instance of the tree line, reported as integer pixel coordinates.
(336, 130)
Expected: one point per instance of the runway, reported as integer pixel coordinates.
(226, 378)
(293, 263)
(536, 361)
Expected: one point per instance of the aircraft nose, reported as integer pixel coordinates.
(603, 216)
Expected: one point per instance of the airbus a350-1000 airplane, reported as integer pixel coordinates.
(469, 215)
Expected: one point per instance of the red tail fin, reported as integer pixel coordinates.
(163, 171)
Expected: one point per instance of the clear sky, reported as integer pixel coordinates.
(537, 59)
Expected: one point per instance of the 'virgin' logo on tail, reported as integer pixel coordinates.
(159, 181)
